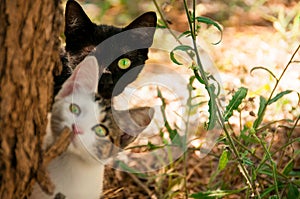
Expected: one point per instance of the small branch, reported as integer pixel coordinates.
(136, 180)
(165, 22)
(60, 145)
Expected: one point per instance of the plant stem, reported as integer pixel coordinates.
(289, 138)
(259, 158)
(276, 84)
(192, 24)
(165, 22)
(189, 102)
(273, 164)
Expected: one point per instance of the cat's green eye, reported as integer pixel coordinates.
(100, 130)
(124, 63)
(75, 109)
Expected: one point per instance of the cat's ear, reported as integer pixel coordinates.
(75, 18)
(85, 76)
(132, 122)
(147, 19)
(145, 27)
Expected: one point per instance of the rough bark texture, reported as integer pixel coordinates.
(29, 43)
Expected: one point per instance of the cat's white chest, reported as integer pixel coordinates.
(74, 178)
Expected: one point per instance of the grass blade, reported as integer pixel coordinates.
(293, 192)
(215, 194)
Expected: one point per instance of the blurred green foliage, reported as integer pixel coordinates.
(119, 12)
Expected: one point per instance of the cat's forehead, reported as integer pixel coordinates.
(103, 32)
(81, 98)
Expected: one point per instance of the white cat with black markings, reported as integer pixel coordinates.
(78, 172)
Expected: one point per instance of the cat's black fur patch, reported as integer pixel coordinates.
(82, 36)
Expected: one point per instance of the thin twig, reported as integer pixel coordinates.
(60, 145)
(136, 180)
(165, 22)
(55, 150)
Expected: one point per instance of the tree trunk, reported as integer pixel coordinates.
(29, 52)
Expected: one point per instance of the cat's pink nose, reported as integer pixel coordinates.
(76, 130)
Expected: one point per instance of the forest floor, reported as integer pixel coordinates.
(242, 48)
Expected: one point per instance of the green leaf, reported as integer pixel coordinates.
(185, 34)
(262, 105)
(270, 189)
(172, 57)
(261, 112)
(223, 160)
(152, 146)
(278, 96)
(161, 24)
(247, 162)
(295, 174)
(212, 107)
(263, 68)
(202, 195)
(211, 22)
(175, 138)
(184, 48)
(266, 171)
(247, 137)
(197, 76)
(288, 167)
(293, 192)
(215, 194)
(126, 168)
(245, 159)
(235, 102)
(212, 103)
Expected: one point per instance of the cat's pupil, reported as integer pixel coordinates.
(100, 130)
(124, 63)
(75, 109)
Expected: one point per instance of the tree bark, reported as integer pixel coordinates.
(29, 52)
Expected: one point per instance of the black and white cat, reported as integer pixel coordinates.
(78, 172)
(99, 131)
(118, 49)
